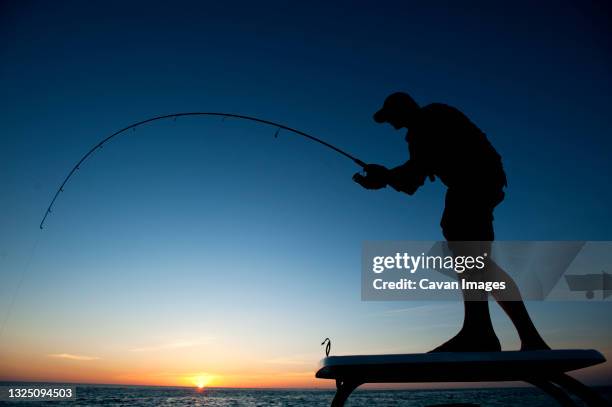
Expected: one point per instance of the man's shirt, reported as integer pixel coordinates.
(444, 143)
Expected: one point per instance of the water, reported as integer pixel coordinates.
(92, 395)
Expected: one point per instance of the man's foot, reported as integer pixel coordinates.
(470, 342)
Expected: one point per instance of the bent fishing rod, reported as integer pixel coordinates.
(175, 116)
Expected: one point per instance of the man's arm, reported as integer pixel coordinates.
(407, 177)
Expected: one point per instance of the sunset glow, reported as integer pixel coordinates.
(201, 381)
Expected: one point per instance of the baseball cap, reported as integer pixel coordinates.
(394, 103)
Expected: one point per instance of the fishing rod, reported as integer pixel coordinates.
(176, 115)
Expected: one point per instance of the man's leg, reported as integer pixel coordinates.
(468, 217)
(509, 299)
(477, 320)
(477, 333)
(511, 302)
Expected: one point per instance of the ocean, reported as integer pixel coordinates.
(95, 395)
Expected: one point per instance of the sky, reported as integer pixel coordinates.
(205, 251)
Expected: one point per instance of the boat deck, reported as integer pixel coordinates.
(544, 368)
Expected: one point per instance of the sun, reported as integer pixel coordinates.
(201, 381)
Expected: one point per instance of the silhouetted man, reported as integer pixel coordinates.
(444, 143)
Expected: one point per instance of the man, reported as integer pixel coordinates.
(444, 143)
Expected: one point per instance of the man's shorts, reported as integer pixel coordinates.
(468, 214)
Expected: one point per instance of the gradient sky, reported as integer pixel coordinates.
(207, 250)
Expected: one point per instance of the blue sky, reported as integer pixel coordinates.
(207, 228)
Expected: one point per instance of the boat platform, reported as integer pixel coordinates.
(545, 369)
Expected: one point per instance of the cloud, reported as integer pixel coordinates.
(70, 356)
(171, 345)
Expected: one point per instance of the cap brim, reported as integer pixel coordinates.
(380, 116)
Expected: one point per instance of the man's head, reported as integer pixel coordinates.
(398, 110)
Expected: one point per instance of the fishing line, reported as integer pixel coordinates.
(174, 116)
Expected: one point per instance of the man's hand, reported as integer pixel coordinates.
(376, 177)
